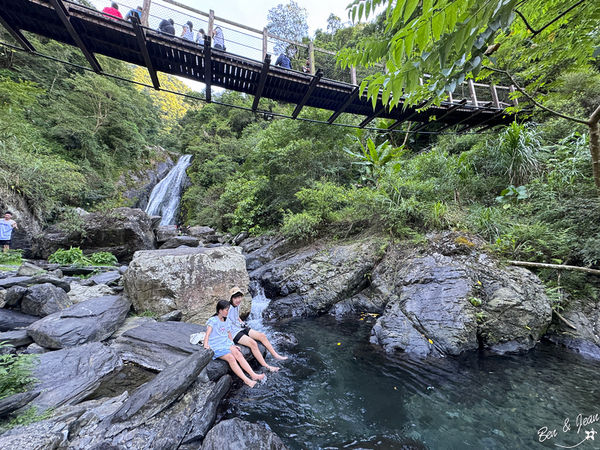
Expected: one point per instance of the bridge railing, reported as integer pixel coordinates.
(254, 43)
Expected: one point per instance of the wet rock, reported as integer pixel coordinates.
(173, 316)
(444, 305)
(44, 299)
(92, 320)
(191, 280)
(309, 281)
(70, 375)
(356, 305)
(16, 338)
(28, 269)
(14, 295)
(582, 335)
(12, 320)
(178, 241)
(108, 278)
(235, 434)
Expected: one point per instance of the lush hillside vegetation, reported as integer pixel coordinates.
(66, 135)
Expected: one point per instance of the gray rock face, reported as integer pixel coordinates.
(80, 293)
(432, 300)
(14, 295)
(44, 299)
(191, 280)
(157, 345)
(8, 282)
(64, 284)
(92, 320)
(173, 316)
(16, 338)
(11, 320)
(165, 232)
(200, 232)
(585, 337)
(68, 376)
(16, 401)
(109, 278)
(28, 269)
(178, 241)
(311, 280)
(235, 434)
(121, 231)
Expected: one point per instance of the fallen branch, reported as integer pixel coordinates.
(559, 315)
(554, 266)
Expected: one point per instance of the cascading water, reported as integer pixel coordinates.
(259, 304)
(166, 195)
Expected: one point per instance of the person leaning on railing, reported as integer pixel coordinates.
(167, 26)
(134, 12)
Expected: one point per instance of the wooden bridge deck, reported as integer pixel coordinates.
(94, 32)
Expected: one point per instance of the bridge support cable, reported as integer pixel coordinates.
(308, 93)
(17, 35)
(353, 96)
(63, 14)
(372, 117)
(208, 68)
(264, 72)
(141, 39)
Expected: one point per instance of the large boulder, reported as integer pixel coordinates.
(191, 280)
(44, 299)
(121, 231)
(178, 241)
(70, 375)
(235, 434)
(578, 329)
(445, 304)
(80, 293)
(309, 281)
(92, 320)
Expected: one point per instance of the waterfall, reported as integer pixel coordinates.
(166, 195)
(259, 304)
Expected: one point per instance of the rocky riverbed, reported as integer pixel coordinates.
(114, 365)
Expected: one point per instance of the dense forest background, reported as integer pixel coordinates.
(67, 136)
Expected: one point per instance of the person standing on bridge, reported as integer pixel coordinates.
(167, 26)
(188, 32)
(219, 39)
(283, 61)
(200, 37)
(113, 10)
(134, 12)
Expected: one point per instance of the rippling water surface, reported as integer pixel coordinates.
(338, 391)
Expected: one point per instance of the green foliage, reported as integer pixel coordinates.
(301, 226)
(518, 149)
(29, 416)
(374, 160)
(475, 301)
(103, 259)
(511, 195)
(11, 257)
(15, 372)
(74, 256)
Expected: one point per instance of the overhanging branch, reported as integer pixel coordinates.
(562, 14)
(533, 100)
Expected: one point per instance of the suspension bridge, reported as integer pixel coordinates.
(475, 105)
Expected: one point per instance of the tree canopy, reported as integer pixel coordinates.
(287, 21)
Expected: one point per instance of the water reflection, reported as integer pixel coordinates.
(339, 391)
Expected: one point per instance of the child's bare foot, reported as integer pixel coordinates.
(250, 383)
(258, 376)
(280, 358)
(273, 368)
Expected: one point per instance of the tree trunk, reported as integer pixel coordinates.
(595, 145)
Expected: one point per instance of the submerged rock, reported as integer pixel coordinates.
(191, 280)
(236, 434)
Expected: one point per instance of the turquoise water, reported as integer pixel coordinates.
(338, 391)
